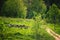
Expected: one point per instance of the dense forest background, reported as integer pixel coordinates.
(29, 19)
(48, 9)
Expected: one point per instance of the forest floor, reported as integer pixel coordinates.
(52, 33)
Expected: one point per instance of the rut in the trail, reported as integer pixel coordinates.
(52, 33)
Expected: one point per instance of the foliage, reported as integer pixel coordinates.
(34, 31)
(53, 14)
(14, 8)
(36, 6)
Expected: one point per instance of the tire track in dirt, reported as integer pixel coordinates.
(52, 33)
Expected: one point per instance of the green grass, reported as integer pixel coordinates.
(54, 27)
(33, 32)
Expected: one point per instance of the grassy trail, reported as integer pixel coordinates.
(52, 33)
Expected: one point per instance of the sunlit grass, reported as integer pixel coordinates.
(35, 28)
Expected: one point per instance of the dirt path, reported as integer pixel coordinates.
(52, 33)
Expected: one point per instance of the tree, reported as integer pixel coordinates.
(14, 8)
(22, 9)
(1, 4)
(52, 14)
(37, 6)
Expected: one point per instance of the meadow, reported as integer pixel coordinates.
(34, 31)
